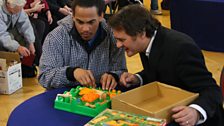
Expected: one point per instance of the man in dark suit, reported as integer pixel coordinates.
(170, 57)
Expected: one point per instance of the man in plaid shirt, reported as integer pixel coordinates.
(82, 50)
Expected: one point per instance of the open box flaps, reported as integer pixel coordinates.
(155, 99)
(9, 56)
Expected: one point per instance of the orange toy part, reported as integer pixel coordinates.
(85, 90)
(112, 95)
(114, 91)
(118, 92)
(90, 97)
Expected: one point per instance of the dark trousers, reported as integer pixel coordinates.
(39, 28)
(56, 17)
(43, 17)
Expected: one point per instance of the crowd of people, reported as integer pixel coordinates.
(81, 48)
(43, 16)
(26, 23)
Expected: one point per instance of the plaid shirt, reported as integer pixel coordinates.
(62, 50)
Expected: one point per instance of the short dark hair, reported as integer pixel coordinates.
(99, 4)
(134, 19)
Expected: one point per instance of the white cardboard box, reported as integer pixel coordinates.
(10, 75)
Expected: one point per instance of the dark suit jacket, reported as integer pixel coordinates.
(176, 60)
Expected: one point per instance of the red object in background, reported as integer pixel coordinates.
(28, 2)
(28, 60)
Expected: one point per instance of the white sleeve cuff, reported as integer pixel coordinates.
(201, 111)
(140, 78)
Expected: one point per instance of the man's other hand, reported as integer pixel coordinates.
(185, 116)
(32, 49)
(108, 82)
(23, 51)
(128, 78)
(84, 77)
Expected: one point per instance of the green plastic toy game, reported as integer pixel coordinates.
(84, 101)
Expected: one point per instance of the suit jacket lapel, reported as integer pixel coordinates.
(150, 63)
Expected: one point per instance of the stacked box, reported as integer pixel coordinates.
(10, 72)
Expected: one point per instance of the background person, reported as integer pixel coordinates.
(15, 26)
(38, 11)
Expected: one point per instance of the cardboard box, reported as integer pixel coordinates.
(10, 72)
(154, 99)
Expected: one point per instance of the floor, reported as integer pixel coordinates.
(214, 62)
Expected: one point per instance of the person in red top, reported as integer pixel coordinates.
(39, 9)
(33, 7)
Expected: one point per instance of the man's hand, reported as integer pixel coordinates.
(185, 116)
(49, 17)
(64, 11)
(67, 8)
(23, 51)
(38, 6)
(84, 77)
(34, 2)
(32, 49)
(128, 78)
(108, 82)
